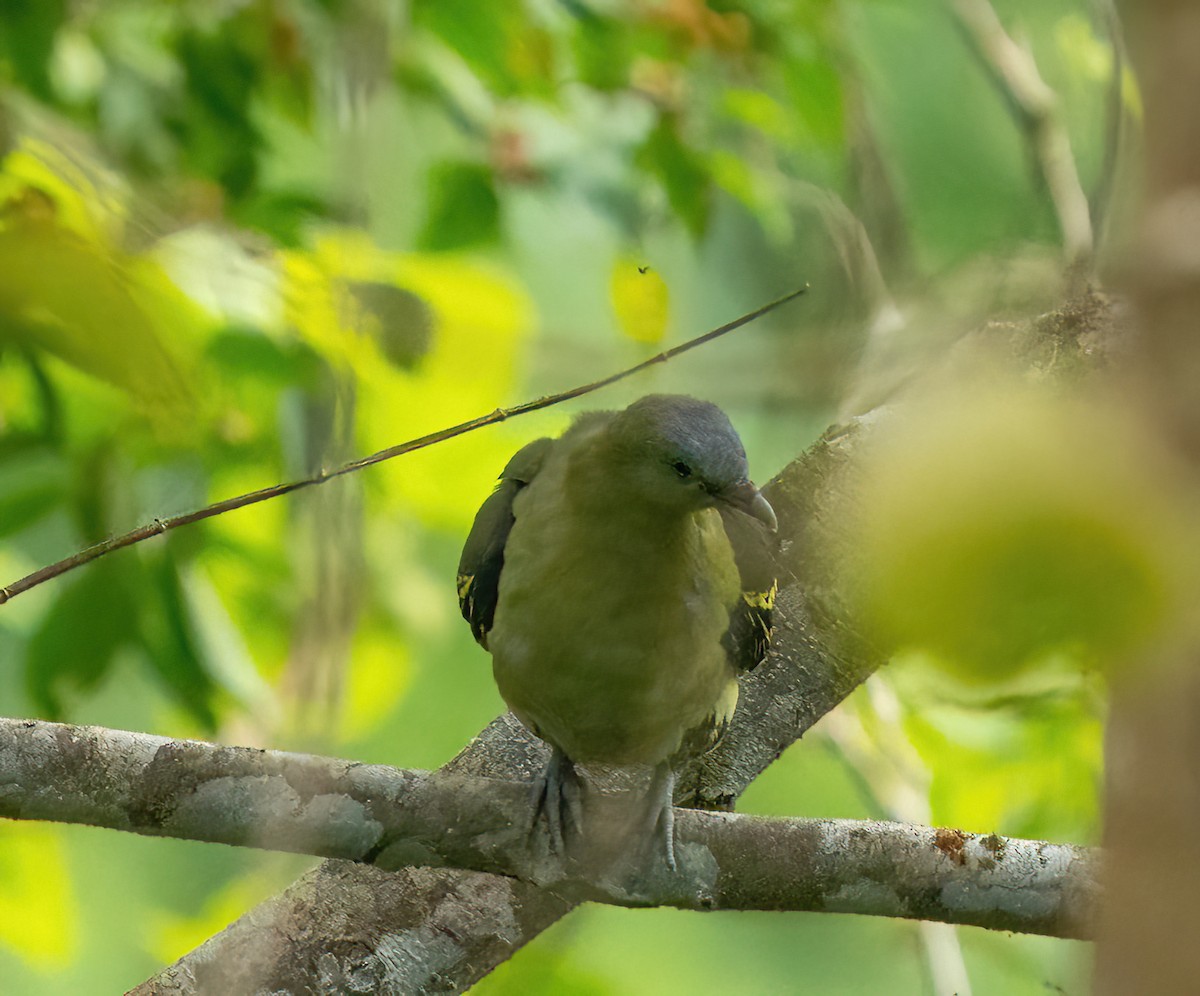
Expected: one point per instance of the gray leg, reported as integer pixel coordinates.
(660, 812)
(558, 799)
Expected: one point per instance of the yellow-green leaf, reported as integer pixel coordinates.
(640, 299)
(1003, 525)
(91, 309)
(38, 916)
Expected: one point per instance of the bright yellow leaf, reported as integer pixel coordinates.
(39, 180)
(67, 287)
(377, 680)
(466, 363)
(38, 914)
(640, 299)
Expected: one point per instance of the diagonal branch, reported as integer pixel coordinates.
(390, 817)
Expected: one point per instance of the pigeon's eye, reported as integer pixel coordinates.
(682, 469)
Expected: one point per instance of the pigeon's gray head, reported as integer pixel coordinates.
(682, 453)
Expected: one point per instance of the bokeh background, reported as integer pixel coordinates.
(244, 241)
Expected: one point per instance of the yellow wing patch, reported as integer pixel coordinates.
(464, 586)
(761, 599)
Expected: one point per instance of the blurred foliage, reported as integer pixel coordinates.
(1030, 526)
(243, 241)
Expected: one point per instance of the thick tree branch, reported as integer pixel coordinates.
(396, 818)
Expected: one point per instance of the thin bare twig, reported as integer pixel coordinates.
(1116, 121)
(159, 526)
(1035, 106)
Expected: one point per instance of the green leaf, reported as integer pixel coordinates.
(682, 173)
(215, 126)
(815, 89)
(282, 214)
(32, 485)
(464, 210)
(602, 50)
(116, 604)
(495, 39)
(245, 353)
(93, 309)
(170, 642)
(74, 645)
(27, 32)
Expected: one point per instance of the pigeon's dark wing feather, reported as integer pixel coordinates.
(482, 558)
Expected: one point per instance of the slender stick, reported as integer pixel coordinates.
(1036, 106)
(159, 526)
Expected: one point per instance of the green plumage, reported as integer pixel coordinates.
(601, 576)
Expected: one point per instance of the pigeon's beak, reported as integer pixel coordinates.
(745, 497)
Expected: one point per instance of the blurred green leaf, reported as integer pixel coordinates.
(681, 172)
(90, 619)
(27, 32)
(814, 92)
(496, 40)
(284, 215)
(602, 49)
(464, 210)
(170, 641)
(60, 294)
(215, 125)
(32, 485)
(1022, 526)
(264, 361)
(1030, 768)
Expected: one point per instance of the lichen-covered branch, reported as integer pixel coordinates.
(395, 818)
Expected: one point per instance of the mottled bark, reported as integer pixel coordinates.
(409, 819)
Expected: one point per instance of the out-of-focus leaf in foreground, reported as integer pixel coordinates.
(1002, 525)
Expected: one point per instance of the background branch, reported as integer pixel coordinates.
(1014, 71)
(1152, 791)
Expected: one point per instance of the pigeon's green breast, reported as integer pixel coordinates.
(608, 628)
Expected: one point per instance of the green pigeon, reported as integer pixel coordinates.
(603, 576)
